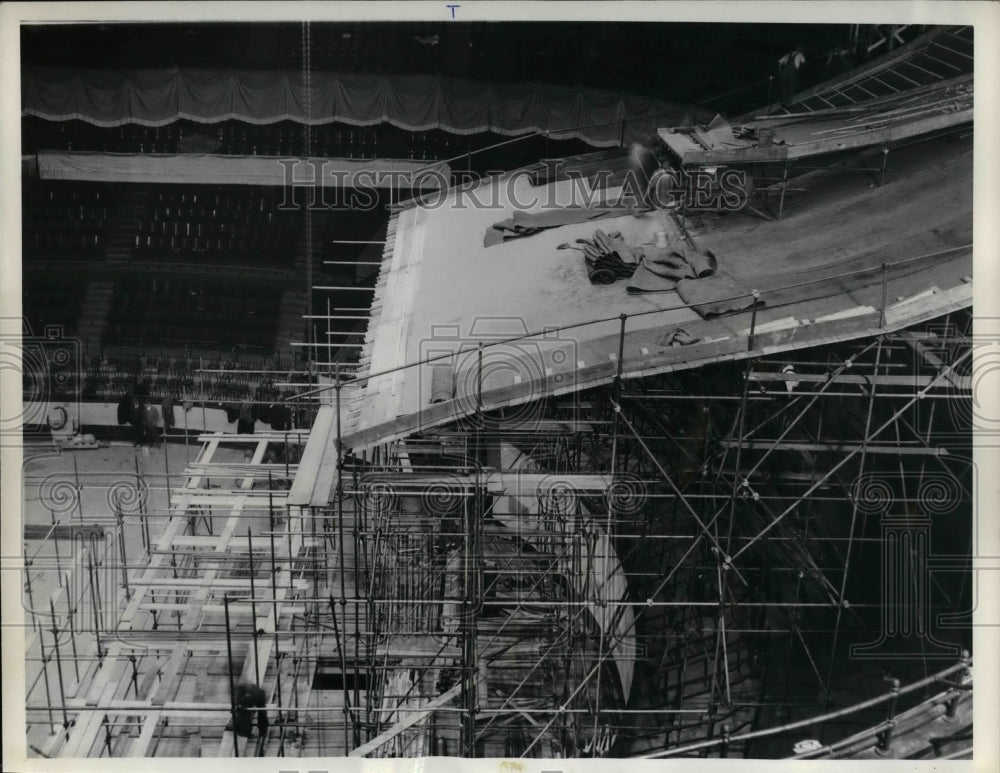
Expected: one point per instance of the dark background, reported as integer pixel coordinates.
(686, 63)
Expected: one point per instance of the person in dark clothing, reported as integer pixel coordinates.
(788, 75)
(250, 696)
(281, 417)
(151, 422)
(167, 407)
(124, 410)
(261, 410)
(138, 420)
(141, 389)
(245, 421)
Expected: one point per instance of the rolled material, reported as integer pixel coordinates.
(680, 263)
(600, 276)
(702, 263)
(608, 257)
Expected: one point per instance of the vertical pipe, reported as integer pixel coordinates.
(45, 675)
(79, 492)
(31, 595)
(253, 609)
(274, 610)
(884, 746)
(232, 687)
(142, 513)
(621, 355)
(315, 559)
(166, 463)
(55, 547)
(753, 320)
(55, 647)
(72, 633)
(187, 454)
(288, 534)
(784, 184)
(479, 386)
(343, 674)
(135, 676)
(107, 734)
(94, 598)
(121, 553)
(885, 292)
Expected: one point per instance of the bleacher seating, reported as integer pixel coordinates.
(52, 298)
(65, 220)
(211, 312)
(229, 377)
(218, 224)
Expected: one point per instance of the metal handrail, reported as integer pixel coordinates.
(892, 694)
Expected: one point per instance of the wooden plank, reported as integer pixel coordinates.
(895, 133)
(412, 719)
(302, 487)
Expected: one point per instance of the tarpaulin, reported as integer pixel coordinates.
(715, 295)
(210, 169)
(411, 102)
(528, 223)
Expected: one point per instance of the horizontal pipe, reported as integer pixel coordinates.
(351, 289)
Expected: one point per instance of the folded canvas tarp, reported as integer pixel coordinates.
(202, 168)
(412, 102)
(715, 295)
(662, 268)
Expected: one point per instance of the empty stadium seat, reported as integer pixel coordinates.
(65, 220)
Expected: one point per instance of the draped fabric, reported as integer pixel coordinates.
(411, 102)
(199, 168)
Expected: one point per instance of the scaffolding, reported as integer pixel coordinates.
(712, 562)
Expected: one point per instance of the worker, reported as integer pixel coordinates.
(151, 425)
(248, 697)
(245, 420)
(138, 419)
(788, 74)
